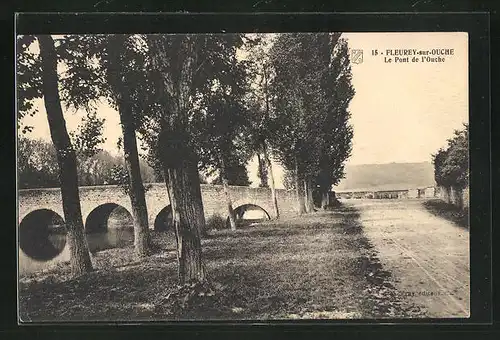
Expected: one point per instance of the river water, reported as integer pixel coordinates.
(113, 238)
(120, 233)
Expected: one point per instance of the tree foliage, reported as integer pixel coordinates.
(311, 91)
(451, 164)
(36, 164)
(28, 77)
(37, 167)
(289, 180)
(210, 110)
(112, 67)
(88, 136)
(237, 174)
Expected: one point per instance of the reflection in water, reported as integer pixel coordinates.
(113, 238)
(35, 234)
(120, 233)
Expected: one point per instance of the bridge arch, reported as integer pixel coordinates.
(243, 209)
(98, 219)
(109, 225)
(163, 220)
(42, 234)
(248, 213)
(214, 201)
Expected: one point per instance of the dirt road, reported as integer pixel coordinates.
(427, 256)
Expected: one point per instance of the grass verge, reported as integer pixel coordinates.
(448, 211)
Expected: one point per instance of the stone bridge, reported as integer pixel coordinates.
(98, 202)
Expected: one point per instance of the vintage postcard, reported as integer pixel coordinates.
(248, 176)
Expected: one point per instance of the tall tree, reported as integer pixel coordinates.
(174, 64)
(290, 58)
(226, 116)
(113, 67)
(122, 84)
(336, 130)
(260, 100)
(80, 256)
(452, 164)
(196, 82)
(312, 90)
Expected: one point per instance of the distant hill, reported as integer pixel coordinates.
(387, 176)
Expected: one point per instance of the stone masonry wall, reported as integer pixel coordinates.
(214, 201)
(455, 196)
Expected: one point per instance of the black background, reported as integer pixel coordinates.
(479, 79)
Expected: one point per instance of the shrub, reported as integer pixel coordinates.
(216, 221)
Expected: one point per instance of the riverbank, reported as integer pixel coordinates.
(316, 266)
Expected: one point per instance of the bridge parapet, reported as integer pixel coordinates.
(214, 201)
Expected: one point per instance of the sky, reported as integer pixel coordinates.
(404, 112)
(401, 112)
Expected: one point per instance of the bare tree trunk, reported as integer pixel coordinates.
(262, 174)
(306, 196)
(325, 199)
(66, 159)
(179, 161)
(266, 153)
(310, 194)
(188, 219)
(449, 195)
(136, 187)
(180, 170)
(271, 177)
(309, 203)
(299, 188)
(457, 197)
(230, 211)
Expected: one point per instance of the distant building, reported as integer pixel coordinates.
(413, 193)
(391, 194)
(430, 192)
(397, 193)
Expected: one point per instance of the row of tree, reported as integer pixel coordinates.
(311, 93)
(197, 105)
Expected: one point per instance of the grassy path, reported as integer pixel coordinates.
(316, 266)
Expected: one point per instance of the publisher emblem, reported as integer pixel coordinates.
(357, 56)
